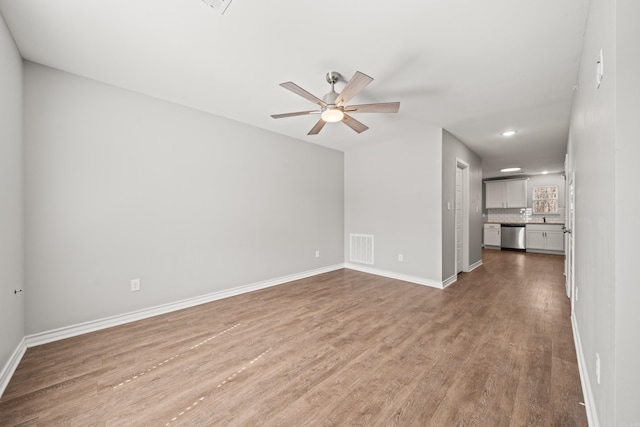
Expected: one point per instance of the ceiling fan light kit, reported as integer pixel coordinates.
(332, 105)
(332, 115)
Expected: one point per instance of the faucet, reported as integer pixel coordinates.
(544, 219)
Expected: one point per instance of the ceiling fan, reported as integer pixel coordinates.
(332, 105)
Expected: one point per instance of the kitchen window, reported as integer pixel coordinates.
(545, 199)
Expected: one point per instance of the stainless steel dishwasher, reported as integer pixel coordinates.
(512, 236)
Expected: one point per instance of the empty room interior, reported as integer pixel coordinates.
(241, 213)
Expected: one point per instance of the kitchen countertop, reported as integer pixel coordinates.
(525, 223)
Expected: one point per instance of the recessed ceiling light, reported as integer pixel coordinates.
(509, 132)
(510, 169)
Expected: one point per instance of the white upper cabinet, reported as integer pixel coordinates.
(516, 194)
(506, 194)
(494, 194)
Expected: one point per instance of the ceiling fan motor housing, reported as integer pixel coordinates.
(330, 98)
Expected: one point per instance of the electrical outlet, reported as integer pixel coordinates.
(400, 257)
(135, 285)
(598, 368)
(317, 254)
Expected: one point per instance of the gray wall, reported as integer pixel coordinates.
(11, 262)
(603, 152)
(122, 186)
(453, 149)
(393, 191)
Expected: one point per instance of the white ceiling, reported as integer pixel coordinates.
(472, 67)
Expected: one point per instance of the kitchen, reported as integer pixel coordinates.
(525, 213)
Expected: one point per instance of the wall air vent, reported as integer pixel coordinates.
(219, 5)
(361, 248)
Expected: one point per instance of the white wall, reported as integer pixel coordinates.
(592, 158)
(393, 190)
(122, 186)
(11, 261)
(603, 152)
(453, 149)
(627, 231)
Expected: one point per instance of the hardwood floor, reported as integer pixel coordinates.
(342, 348)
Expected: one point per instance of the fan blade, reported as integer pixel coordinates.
(299, 113)
(358, 82)
(382, 107)
(303, 93)
(354, 124)
(317, 128)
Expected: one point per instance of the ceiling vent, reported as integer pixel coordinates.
(219, 5)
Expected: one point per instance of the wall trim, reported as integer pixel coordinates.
(589, 402)
(108, 322)
(11, 365)
(450, 281)
(474, 266)
(397, 276)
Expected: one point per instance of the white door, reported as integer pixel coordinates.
(459, 221)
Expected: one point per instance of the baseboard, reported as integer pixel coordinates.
(589, 403)
(544, 251)
(397, 276)
(11, 365)
(108, 322)
(474, 266)
(449, 281)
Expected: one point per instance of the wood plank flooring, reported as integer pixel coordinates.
(343, 348)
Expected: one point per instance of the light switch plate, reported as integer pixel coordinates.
(600, 70)
(220, 5)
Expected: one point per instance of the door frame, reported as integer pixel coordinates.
(570, 238)
(464, 166)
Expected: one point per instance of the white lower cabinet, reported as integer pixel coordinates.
(492, 235)
(545, 238)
